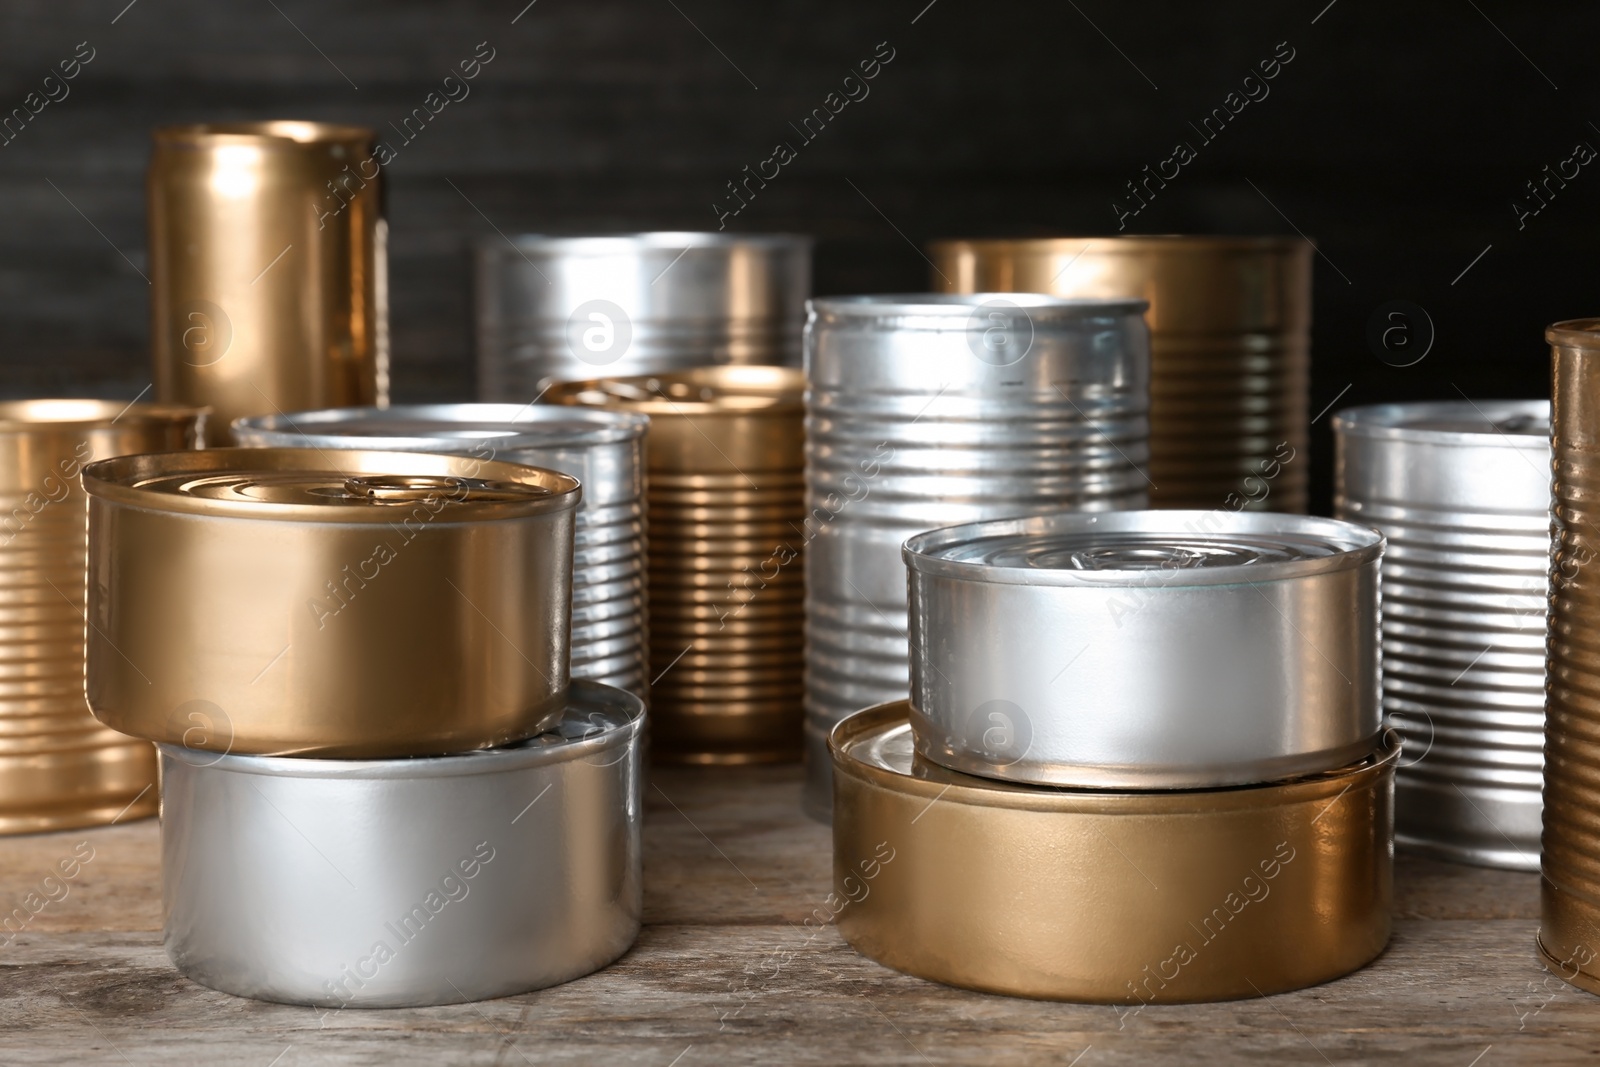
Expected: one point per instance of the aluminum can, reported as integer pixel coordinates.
(575, 307)
(724, 491)
(1461, 490)
(268, 268)
(604, 450)
(1145, 649)
(925, 410)
(1230, 348)
(313, 602)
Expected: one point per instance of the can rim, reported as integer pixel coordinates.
(269, 133)
(1355, 546)
(1166, 243)
(1574, 333)
(763, 390)
(643, 242)
(962, 305)
(87, 413)
(1388, 422)
(332, 426)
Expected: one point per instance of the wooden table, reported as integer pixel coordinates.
(731, 869)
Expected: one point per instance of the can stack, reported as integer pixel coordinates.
(552, 308)
(355, 665)
(725, 506)
(1125, 773)
(59, 768)
(930, 409)
(1461, 490)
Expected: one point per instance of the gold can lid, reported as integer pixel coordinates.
(726, 390)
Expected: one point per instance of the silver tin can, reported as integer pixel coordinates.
(1462, 491)
(577, 307)
(930, 409)
(410, 882)
(1146, 649)
(604, 450)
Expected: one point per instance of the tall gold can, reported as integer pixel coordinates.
(1230, 349)
(1569, 928)
(725, 509)
(59, 768)
(268, 268)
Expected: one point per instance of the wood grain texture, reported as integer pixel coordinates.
(732, 866)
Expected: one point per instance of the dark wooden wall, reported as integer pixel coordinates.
(1398, 137)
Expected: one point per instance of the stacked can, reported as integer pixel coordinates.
(725, 503)
(572, 307)
(379, 786)
(604, 450)
(1142, 761)
(923, 410)
(1230, 349)
(1461, 490)
(59, 768)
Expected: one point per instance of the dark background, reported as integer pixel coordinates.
(1397, 139)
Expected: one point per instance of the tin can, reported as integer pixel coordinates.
(1145, 649)
(403, 883)
(1461, 490)
(1230, 349)
(725, 455)
(927, 410)
(604, 450)
(291, 601)
(268, 268)
(1106, 897)
(575, 307)
(59, 768)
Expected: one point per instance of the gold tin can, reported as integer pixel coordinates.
(59, 768)
(725, 504)
(1106, 897)
(1230, 349)
(319, 602)
(1569, 926)
(268, 268)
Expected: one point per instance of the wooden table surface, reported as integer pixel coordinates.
(731, 869)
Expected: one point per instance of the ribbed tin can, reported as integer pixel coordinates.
(602, 449)
(928, 410)
(575, 307)
(1569, 927)
(59, 768)
(1145, 649)
(391, 883)
(313, 602)
(1461, 489)
(1157, 897)
(725, 501)
(1230, 343)
(268, 268)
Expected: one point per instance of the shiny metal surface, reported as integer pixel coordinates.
(577, 307)
(1569, 926)
(293, 601)
(604, 450)
(59, 768)
(268, 268)
(1230, 342)
(725, 452)
(390, 883)
(1145, 649)
(926, 410)
(1122, 898)
(1461, 490)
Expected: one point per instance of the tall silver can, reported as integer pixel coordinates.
(578, 307)
(1462, 491)
(927, 410)
(602, 449)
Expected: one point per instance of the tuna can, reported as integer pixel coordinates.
(931, 409)
(313, 602)
(1461, 490)
(1145, 649)
(1107, 897)
(604, 450)
(407, 882)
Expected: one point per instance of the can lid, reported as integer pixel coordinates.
(1574, 333)
(29, 416)
(501, 428)
(1186, 548)
(725, 390)
(1035, 306)
(1512, 423)
(341, 485)
(650, 243)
